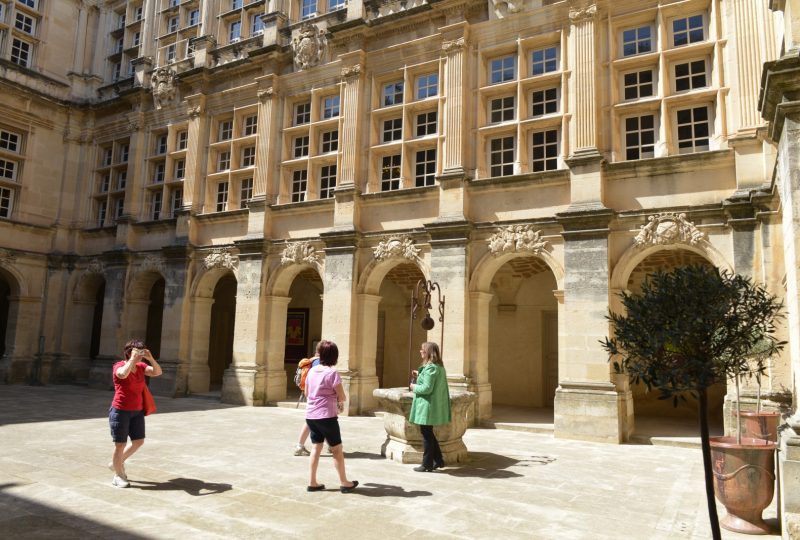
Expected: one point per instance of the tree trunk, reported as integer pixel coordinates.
(706, 445)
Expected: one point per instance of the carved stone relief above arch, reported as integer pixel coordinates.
(668, 228)
(221, 258)
(515, 238)
(396, 246)
(153, 263)
(164, 82)
(300, 253)
(95, 266)
(6, 257)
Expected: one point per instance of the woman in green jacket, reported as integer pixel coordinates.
(431, 405)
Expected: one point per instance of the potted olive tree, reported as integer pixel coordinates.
(686, 330)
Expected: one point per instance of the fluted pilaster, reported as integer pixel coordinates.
(455, 52)
(583, 22)
(266, 135)
(195, 155)
(754, 34)
(353, 83)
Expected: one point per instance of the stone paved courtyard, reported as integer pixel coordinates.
(217, 471)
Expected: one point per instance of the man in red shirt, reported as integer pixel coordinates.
(126, 416)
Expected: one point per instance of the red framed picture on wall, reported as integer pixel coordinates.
(296, 334)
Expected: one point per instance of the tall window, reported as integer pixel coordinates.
(176, 200)
(108, 155)
(687, 30)
(234, 31)
(172, 24)
(158, 172)
(105, 183)
(161, 144)
(180, 169)
(502, 109)
(6, 202)
(545, 150)
(249, 156)
(638, 84)
(335, 4)
(222, 196)
(102, 210)
(21, 52)
(637, 41)
(426, 123)
(690, 75)
(194, 17)
(693, 129)
(392, 129)
(225, 130)
(327, 181)
(502, 69)
(119, 207)
(256, 24)
(301, 146)
(170, 54)
(9, 141)
(302, 113)
(155, 205)
(390, 173)
(425, 172)
(640, 137)
(224, 161)
(250, 125)
(544, 60)
(246, 192)
(501, 156)
(330, 141)
(427, 85)
(8, 169)
(123, 153)
(299, 185)
(544, 102)
(308, 9)
(330, 107)
(25, 23)
(182, 140)
(393, 93)
(30, 3)
(122, 179)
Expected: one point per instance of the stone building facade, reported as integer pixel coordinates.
(236, 180)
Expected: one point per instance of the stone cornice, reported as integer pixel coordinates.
(780, 92)
(591, 221)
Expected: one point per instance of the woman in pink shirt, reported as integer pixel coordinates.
(325, 401)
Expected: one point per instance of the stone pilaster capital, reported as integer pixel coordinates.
(454, 46)
(265, 94)
(351, 72)
(581, 11)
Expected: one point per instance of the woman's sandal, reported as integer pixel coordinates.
(348, 489)
(316, 488)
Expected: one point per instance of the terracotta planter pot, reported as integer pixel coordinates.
(760, 425)
(744, 481)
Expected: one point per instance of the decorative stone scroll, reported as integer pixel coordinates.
(221, 258)
(453, 46)
(299, 253)
(152, 263)
(581, 11)
(351, 72)
(668, 228)
(516, 238)
(193, 112)
(308, 46)
(95, 266)
(400, 246)
(265, 94)
(164, 82)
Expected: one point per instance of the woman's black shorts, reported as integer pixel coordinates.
(325, 429)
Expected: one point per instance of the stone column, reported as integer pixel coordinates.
(195, 154)
(98, 54)
(477, 362)
(455, 48)
(198, 373)
(346, 210)
(112, 336)
(150, 29)
(268, 137)
(275, 346)
(588, 405)
(584, 63)
(78, 66)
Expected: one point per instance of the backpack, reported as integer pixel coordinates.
(301, 373)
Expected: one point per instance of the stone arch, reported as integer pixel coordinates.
(205, 282)
(141, 283)
(15, 279)
(488, 266)
(86, 286)
(373, 275)
(282, 278)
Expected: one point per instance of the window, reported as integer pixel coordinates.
(180, 169)
(690, 75)
(327, 181)
(170, 54)
(137, 38)
(225, 130)
(637, 41)
(236, 4)
(158, 172)
(223, 161)
(29, 3)
(172, 24)
(390, 173)
(8, 169)
(123, 153)
(392, 130)
(256, 24)
(308, 9)
(638, 84)
(9, 141)
(21, 52)
(235, 31)
(137, 13)
(302, 113)
(155, 205)
(330, 141)
(161, 144)
(119, 46)
(393, 93)
(299, 185)
(176, 200)
(121, 20)
(301, 146)
(174, 3)
(693, 129)
(335, 4)
(502, 109)
(330, 107)
(544, 102)
(116, 71)
(6, 202)
(182, 140)
(425, 172)
(427, 85)
(24, 23)
(190, 48)
(105, 183)
(194, 17)
(640, 137)
(119, 208)
(102, 209)
(502, 69)
(687, 30)
(545, 150)
(426, 123)
(108, 154)
(122, 179)
(250, 126)
(544, 60)
(245, 192)
(249, 156)
(501, 156)
(222, 196)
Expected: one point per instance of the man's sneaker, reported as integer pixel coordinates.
(124, 475)
(300, 450)
(120, 482)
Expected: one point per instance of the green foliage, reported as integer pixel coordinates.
(692, 327)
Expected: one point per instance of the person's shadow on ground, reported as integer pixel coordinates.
(493, 466)
(372, 489)
(192, 486)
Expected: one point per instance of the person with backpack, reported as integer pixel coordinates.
(300, 376)
(431, 404)
(326, 399)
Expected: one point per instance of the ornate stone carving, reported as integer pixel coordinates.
(299, 253)
(95, 266)
(153, 263)
(221, 258)
(396, 246)
(511, 7)
(351, 72)
(6, 257)
(668, 228)
(454, 46)
(580, 11)
(516, 238)
(164, 82)
(265, 94)
(193, 112)
(308, 46)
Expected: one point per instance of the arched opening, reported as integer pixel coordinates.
(97, 320)
(155, 317)
(392, 351)
(220, 335)
(5, 307)
(660, 416)
(303, 321)
(523, 336)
